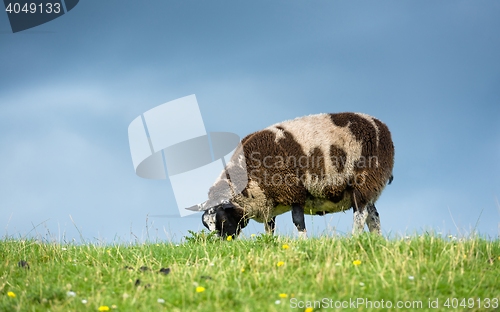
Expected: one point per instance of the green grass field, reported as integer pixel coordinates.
(258, 273)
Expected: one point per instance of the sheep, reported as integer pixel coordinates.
(315, 165)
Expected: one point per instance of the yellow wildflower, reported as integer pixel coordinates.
(283, 296)
(356, 262)
(11, 294)
(229, 238)
(280, 263)
(200, 289)
(285, 246)
(103, 308)
(309, 309)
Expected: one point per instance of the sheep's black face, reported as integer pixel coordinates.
(208, 219)
(225, 219)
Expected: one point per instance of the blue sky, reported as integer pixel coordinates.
(69, 89)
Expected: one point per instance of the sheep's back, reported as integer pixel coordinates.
(320, 156)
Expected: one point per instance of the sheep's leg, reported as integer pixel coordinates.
(373, 220)
(270, 226)
(360, 215)
(298, 219)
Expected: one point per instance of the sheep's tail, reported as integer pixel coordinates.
(390, 179)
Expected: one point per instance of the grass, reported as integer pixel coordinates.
(259, 273)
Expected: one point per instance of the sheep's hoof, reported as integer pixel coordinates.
(303, 234)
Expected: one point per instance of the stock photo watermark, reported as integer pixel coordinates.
(170, 141)
(26, 14)
(365, 303)
(307, 169)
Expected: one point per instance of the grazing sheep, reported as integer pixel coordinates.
(316, 164)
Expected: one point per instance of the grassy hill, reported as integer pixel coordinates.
(258, 273)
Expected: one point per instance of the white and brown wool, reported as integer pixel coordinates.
(315, 164)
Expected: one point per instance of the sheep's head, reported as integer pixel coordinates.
(220, 213)
(225, 218)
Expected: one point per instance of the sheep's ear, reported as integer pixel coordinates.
(199, 207)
